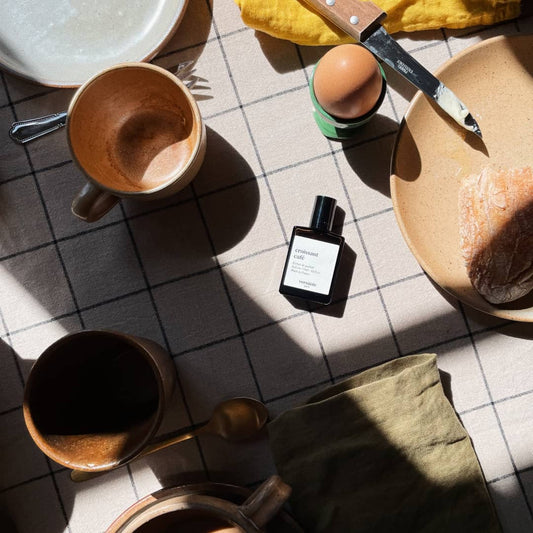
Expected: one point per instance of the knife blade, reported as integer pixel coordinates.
(362, 19)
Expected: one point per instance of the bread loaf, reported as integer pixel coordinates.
(496, 232)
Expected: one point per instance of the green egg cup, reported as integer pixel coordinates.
(338, 128)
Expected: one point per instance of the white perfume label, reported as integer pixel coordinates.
(311, 265)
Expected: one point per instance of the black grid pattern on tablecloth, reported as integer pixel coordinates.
(62, 246)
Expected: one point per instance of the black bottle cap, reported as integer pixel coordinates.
(323, 213)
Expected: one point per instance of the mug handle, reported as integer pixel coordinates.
(266, 501)
(92, 203)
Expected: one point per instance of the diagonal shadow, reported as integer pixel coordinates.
(23, 465)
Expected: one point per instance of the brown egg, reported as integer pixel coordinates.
(347, 81)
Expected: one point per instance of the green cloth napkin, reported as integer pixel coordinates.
(383, 451)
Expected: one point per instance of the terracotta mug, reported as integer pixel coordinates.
(95, 399)
(135, 130)
(199, 513)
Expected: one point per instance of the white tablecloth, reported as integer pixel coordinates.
(199, 273)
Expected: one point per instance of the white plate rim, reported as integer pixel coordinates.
(149, 53)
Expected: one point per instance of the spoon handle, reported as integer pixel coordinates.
(162, 442)
(165, 441)
(28, 130)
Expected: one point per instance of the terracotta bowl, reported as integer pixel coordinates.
(433, 154)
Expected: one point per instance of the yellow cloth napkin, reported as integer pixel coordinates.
(382, 452)
(295, 21)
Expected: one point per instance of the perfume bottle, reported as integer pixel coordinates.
(314, 256)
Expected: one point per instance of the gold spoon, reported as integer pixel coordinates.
(234, 420)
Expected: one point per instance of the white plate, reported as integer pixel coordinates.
(62, 43)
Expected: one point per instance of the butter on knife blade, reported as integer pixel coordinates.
(361, 19)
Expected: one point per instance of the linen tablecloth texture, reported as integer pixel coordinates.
(199, 274)
(295, 21)
(383, 451)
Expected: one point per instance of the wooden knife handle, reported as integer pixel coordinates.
(357, 18)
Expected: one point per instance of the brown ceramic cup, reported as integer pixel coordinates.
(95, 399)
(167, 510)
(135, 130)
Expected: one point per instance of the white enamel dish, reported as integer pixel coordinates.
(61, 43)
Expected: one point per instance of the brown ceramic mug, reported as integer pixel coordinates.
(135, 130)
(95, 399)
(167, 510)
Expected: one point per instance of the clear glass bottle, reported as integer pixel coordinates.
(314, 256)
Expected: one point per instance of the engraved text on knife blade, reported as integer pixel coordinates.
(390, 52)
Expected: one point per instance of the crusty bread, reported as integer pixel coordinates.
(496, 231)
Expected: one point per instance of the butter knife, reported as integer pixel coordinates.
(361, 19)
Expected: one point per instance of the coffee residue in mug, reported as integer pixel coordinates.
(151, 146)
(190, 521)
(97, 403)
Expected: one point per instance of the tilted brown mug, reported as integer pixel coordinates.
(168, 510)
(95, 399)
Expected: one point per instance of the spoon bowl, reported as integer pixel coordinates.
(237, 419)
